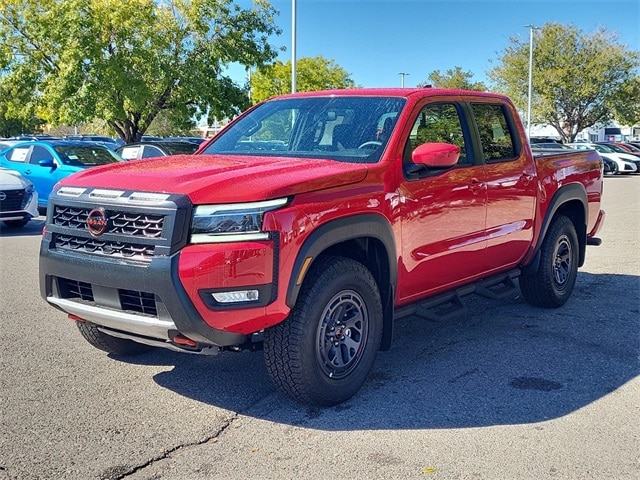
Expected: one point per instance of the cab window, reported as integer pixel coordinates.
(496, 134)
(438, 123)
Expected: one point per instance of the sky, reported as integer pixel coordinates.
(376, 40)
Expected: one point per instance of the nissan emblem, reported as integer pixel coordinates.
(97, 221)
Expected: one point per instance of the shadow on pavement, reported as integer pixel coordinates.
(502, 363)
(33, 228)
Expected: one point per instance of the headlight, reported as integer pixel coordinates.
(230, 223)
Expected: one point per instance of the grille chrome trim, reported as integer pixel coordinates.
(141, 226)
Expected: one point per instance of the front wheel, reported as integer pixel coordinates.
(553, 283)
(324, 351)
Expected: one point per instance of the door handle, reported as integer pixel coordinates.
(526, 178)
(475, 186)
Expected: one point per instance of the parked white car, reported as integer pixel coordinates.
(626, 163)
(18, 199)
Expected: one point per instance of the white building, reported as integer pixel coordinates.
(609, 133)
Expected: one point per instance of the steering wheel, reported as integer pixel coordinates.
(370, 144)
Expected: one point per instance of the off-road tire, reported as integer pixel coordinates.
(552, 284)
(107, 343)
(325, 349)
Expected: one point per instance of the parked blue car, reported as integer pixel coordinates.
(45, 163)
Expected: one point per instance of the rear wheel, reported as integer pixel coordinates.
(107, 343)
(552, 284)
(324, 351)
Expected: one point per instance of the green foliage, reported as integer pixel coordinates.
(455, 78)
(626, 105)
(312, 73)
(576, 77)
(70, 61)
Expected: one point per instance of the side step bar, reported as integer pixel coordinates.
(448, 305)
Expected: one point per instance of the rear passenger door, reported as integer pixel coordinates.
(511, 185)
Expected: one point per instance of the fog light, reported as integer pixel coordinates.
(236, 297)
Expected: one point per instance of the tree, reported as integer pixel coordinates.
(312, 73)
(576, 77)
(125, 62)
(455, 78)
(626, 105)
(11, 126)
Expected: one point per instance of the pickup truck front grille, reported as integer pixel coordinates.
(135, 226)
(110, 248)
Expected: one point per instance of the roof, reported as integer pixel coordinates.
(390, 92)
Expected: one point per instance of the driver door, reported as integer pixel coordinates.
(443, 211)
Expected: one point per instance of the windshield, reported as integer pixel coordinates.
(85, 155)
(346, 129)
(605, 149)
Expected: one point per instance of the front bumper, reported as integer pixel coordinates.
(124, 277)
(147, 299)
(18, 205)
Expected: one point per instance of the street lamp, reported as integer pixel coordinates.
(403, 74)
(531, 29)
(293, 46)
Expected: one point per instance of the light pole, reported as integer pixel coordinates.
(531, 29)
(403, 74)
(293, 46)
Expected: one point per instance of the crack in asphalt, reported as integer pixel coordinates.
(122, 472)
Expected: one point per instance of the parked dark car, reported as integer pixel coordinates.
(101, 139)
(197, 140)
(134, 151)
(550, 146)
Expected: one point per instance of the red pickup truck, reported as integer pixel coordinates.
(311, 223)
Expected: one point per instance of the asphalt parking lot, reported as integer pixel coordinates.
(506, 391)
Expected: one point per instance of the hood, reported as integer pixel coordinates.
(219, 178)
(12, 180)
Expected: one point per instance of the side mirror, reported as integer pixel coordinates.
(47, 162)
(436, 155)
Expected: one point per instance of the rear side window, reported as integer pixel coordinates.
(151, 151)
(496, 135)
(18, 154)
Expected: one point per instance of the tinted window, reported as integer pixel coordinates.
(40, 153)
(151, 151)
(495, 133)
(84, 156)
